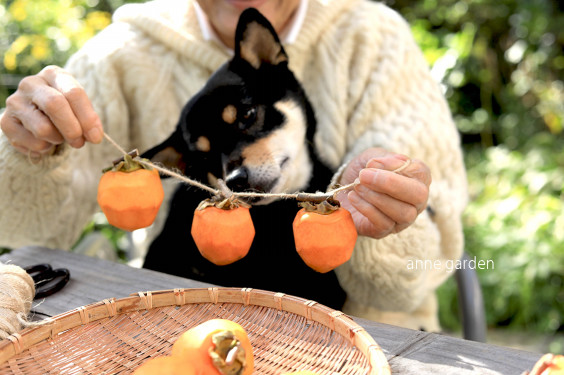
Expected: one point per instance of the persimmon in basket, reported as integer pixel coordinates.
(223, 230)
(165, 365)
(549, 364)
(324, 235)
(216, 347)
(130, 194)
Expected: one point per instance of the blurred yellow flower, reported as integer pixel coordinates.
(18, 10)
(98, 20)
(10, 61)
(20, 44)
(40, 47)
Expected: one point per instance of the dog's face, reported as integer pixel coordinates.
(249, 124)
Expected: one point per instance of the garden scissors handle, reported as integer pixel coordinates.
(47, 280)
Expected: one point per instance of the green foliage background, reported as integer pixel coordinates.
(501, 65)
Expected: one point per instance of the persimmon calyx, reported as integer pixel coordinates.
(227, 353)
(128, 163)
(322, 208)
(223, 203)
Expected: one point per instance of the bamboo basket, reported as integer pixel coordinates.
(115, 336)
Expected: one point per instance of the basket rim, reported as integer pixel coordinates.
(335, 320)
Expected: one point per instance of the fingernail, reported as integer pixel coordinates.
(368, 175)
(361, 189)
(77, 142)
(94, 135)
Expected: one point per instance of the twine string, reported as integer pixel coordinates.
(16, 294)
(225, 192)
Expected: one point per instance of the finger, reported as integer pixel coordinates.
(358, 163)
(24, 113)
(21, 111)
(21, 138)
(398, 211)
(381, 226)
(55, 106)
(413, 168)
(389, 162)
(419, 171)
(399, 187)
(78, 100)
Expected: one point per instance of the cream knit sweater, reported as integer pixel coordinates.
(369, 86)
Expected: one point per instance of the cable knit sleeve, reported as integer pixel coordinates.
(391, 102)
(49, 203)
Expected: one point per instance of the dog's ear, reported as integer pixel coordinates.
(256, 40)
(169, 153)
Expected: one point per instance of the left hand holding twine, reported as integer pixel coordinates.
(392, 191)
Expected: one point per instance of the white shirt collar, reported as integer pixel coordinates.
(288, 36)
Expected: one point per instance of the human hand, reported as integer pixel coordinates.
(48, 109)
(384, 201)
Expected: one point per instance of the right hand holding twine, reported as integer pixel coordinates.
(48, 109)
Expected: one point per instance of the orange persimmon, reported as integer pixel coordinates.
(324, 235)
(215, 347)
(130, 195)
(165, 365)
(223, 231)
(554, 365)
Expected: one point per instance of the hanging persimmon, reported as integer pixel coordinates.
(130, 194)
(324, 235)
(223, 230)
(215, 347)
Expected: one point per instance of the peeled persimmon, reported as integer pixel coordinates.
(549, 364)
(215, 347)
(130, 195)
(223, 231)
(556, 366)
(324, 235)
(165, 365)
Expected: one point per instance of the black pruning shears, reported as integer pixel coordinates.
(47, 280)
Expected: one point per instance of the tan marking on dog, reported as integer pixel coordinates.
(258, 46)
(170, 158)
(263, 157)
(229, 114)
(203, 144)
(258, 153)
(212, 180)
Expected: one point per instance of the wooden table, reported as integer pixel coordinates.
(407, 351)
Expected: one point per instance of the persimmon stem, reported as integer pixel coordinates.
(133, 154)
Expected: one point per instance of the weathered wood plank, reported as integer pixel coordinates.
(93, 280)
(408, 351)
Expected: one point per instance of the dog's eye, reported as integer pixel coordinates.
(250, 115)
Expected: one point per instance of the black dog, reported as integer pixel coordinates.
(252, 126)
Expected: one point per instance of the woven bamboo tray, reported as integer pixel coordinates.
(115, 336)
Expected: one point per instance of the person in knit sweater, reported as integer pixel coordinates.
(375, 102)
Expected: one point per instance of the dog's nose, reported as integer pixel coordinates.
(238, 179)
